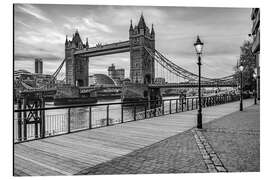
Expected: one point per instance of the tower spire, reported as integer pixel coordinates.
(86, 44)
(152, 30)
(131, 26)
(142, 22)
(66, 40)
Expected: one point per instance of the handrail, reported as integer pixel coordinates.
(103, 104)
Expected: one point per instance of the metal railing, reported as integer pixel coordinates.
(89, 116)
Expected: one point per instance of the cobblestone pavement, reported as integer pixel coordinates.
(211, 159)
(236, 140)
(228, 144)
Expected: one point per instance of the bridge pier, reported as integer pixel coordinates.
(141, 92)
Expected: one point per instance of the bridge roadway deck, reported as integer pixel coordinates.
(71, 153)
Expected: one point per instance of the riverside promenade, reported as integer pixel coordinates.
(228, 142)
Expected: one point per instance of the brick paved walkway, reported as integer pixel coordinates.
(230, 143)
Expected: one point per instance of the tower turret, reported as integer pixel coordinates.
(131, 26)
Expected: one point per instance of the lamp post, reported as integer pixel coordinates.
(198, 47)
(255, 87)
(241, 68)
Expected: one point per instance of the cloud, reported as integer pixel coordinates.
(33, 11)
(223, 31)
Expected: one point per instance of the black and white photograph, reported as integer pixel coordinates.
(102, 89)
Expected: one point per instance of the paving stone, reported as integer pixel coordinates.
(208, 161)
(220, 169)
(237, 152)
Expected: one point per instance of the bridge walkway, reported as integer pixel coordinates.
(72, 153)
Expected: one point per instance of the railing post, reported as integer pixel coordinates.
(187, 104)
(19, 114)
(24, 121)
(162, 107)
(155, 108)
(192, 104)
(42, 116)
(68, 123)
(134, 112)
(36, 119)
(182, 104)
(145, 111)
(176, 106)
(107, 121)
(196, 103)
(90, 117)
(122, 113)
(170, 106)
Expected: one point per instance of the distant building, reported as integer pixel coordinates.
(32, 79)
(160, 81)
(117, 75)
(255, 32)
(101, 79)
(38, 66)
(18, 73)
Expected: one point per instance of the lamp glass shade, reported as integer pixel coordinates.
(198, 46)
(255, 70)
(241, 68)
(254, 75)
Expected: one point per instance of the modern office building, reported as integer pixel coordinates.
(255, 32)
(38, 66)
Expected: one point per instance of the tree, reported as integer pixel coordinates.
(248, 60)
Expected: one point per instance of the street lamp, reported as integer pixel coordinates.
(255, 87)
(241, 68)
(198, 47)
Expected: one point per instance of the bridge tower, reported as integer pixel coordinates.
(76, 67)
(142, 67)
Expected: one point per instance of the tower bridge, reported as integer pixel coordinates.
(145, 63)
(77, 55)
(143, 57)
(101, 50)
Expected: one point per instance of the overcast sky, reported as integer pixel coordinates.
(40, 31)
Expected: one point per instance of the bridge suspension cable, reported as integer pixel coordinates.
(181, 72)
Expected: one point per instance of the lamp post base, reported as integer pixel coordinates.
(241, 106)
(199, 120)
